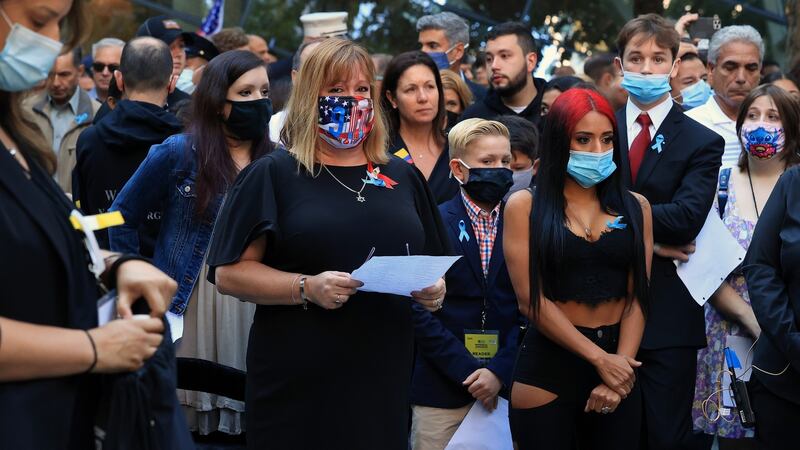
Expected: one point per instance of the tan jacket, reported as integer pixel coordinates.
(37, 108)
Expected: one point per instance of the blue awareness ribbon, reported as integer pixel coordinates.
(79, 119)
(659, 143)
(463, 234)
(617, 223)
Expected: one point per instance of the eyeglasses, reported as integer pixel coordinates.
(100, 67)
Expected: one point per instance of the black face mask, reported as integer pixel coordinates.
(488, 185)
(452, 119)
(249, 120)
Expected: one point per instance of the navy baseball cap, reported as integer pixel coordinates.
(201, 47)
(164, 28)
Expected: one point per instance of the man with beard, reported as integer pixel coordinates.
(511, 58)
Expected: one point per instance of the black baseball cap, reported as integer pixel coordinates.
(166, 29)
(201, 47)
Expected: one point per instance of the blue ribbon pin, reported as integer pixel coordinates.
(463, 234)
(616, 224)
(79, 119)
(659, 143)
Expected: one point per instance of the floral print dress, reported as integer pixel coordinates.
(710, 360)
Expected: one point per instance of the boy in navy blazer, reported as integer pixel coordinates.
(466, 350)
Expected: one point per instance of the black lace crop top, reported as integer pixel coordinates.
(593, 272)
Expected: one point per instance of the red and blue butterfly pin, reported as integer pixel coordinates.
(375, 177)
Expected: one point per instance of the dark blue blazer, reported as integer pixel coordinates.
(478, 91)
(772, 270)
(680, 183)
(442, 361)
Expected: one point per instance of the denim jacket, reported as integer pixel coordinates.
(165, 181)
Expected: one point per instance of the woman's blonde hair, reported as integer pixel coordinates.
(333, 60)
(451, 80)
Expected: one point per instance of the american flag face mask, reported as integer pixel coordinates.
(345, 122)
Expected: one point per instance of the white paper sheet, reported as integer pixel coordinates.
(402, 275)
(482, 430)
(107, 308)
(717, 254)
(175, 325)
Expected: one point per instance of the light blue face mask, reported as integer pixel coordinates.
(696, 94)
(26, 59)
(184, 82)
(646, 89)
(588, 168)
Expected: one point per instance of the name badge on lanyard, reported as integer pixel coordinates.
(483, 344)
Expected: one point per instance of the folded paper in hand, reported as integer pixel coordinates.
(718, 253)
(401, 275)
(483, 430)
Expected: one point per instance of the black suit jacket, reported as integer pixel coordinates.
(680, 182)
(772, 270)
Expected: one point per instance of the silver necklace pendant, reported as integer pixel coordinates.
(360, 198)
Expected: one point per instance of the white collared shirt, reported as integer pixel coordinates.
(657, 115)
(712, 117)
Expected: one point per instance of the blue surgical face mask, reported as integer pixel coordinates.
(588, 168)
(441, 59)
(184, 82)
(646, 89)
(26, 59)
(696, 94)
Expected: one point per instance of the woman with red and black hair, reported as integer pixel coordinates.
(582, 282)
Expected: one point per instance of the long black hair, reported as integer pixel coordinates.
(215, 167)
(548, 219)
(391, 77)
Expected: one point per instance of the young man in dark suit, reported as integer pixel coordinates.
(673, 161)
(466, 350)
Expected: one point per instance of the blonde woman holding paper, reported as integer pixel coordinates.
(328, 366)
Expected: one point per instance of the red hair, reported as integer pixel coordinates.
(571, 106)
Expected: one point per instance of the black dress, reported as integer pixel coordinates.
(43, 272)
(443, 186)
(332, 379)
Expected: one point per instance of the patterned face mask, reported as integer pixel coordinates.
(762, 140)
(344, 122)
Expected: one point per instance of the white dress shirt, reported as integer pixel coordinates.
(657, 115)
(712, 117)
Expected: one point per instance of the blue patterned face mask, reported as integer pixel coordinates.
(588, 168)
(27, 57)
(696, 94)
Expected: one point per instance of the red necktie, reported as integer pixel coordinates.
(639, 145)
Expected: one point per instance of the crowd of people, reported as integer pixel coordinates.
(221, 199)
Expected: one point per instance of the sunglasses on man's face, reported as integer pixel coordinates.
(100, 67)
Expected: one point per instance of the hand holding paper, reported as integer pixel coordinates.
(718, 253)
(402, 275)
